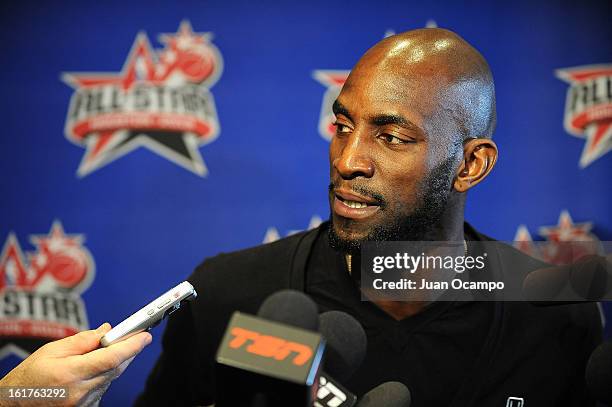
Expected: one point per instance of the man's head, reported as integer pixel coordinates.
(414, 122)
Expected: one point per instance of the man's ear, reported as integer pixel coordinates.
(479, 157)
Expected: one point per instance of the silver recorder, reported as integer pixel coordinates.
(152, 314)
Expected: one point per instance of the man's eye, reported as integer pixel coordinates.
(392, 139)
(341, 128)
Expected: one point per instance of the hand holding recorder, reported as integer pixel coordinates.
(77, 364)
(80, 365)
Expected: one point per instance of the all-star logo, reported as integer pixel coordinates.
(160, 100)
(564, 243)
(588, 108)
(40, 293)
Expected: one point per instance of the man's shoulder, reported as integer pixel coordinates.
(585, 318)
(261, 269)
(271, 254)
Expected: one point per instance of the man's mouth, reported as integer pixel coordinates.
(354, 204)
(348, 204)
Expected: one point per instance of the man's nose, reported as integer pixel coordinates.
(354, 159)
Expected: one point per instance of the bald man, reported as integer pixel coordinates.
(414, 125)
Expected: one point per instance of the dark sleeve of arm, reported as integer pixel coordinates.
(178, 378)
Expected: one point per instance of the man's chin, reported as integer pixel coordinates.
(347, 237)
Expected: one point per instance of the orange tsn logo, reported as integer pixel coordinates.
(270, 346)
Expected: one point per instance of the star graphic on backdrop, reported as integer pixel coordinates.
(55, 241)
(524, 242)
(13, 270)
(19, 272)
(140, 66)
(598, 132)
(58, 256)
(564, 243)
(566, 230)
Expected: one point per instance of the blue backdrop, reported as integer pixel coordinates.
(134, 215)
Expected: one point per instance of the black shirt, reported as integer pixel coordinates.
(432, 352)
(451, 354)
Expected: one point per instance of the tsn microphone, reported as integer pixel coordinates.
(587, 280)
(271, 364)
(345, 342)
(344, 337)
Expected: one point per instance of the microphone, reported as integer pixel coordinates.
(388, 394)
(346, 348)
(269, 363)
(587, 280)
(598, 374)
(292, 308)
(346, 343)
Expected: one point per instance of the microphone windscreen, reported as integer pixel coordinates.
(346, 343)
(292, 308)
(388, 394)
(599, 373)
(588, 279)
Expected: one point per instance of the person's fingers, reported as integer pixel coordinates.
(95, 392)
(124, 365)
(77, 344)
(110, 358)
(91, 390)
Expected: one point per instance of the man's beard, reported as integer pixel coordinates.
(420, 224)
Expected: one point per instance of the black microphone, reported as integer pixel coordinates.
(267, 363)
(346, 344)
(389, 394)
(292, 308)
(598, 374)
(587, 280)
(345, 351)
